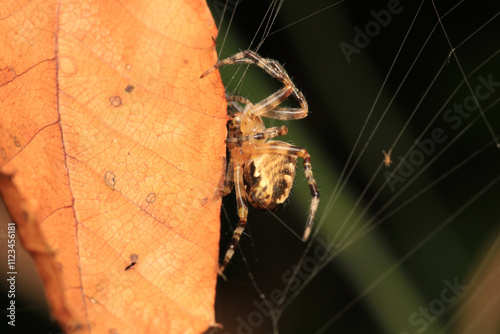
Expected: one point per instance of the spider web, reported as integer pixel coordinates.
(395, 249)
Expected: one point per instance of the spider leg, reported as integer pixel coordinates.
(267, 107)
(249, 57)
(234, 107)
(285, 113)
(242, 214)
(266, 134)
(273, 68)
(287, 149)
(229, 180)
(237, 98)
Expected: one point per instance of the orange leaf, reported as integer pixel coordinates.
(111, 155)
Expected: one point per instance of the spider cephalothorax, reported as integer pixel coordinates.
(262, 170)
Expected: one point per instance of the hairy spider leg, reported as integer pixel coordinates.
(240, 99)
(233, 107)
(242, 214)
(267, 107)
(229, 181)
(266, 134)
(287, 149)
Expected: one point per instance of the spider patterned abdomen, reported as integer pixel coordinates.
(268, 179)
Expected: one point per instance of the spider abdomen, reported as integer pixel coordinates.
(268, 179)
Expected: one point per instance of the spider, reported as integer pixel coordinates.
(262, 170)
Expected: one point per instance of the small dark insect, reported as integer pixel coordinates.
(133, 259)
(262, 170)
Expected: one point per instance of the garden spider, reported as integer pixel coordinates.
(262, 171)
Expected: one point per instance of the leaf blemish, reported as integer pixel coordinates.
(129, 88)
(133, 259)
(115, 101)
(109, 179)
(7, 74)
(151, 198)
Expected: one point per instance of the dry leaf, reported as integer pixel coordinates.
(111, 155)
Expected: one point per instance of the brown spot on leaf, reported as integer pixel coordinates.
(7, 74)
(151, 198)
(99, 287)
(17, 142)
(115, 101)
(129, 88)
(133, 259)
(109, 178)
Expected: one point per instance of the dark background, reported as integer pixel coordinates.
(427, 235)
